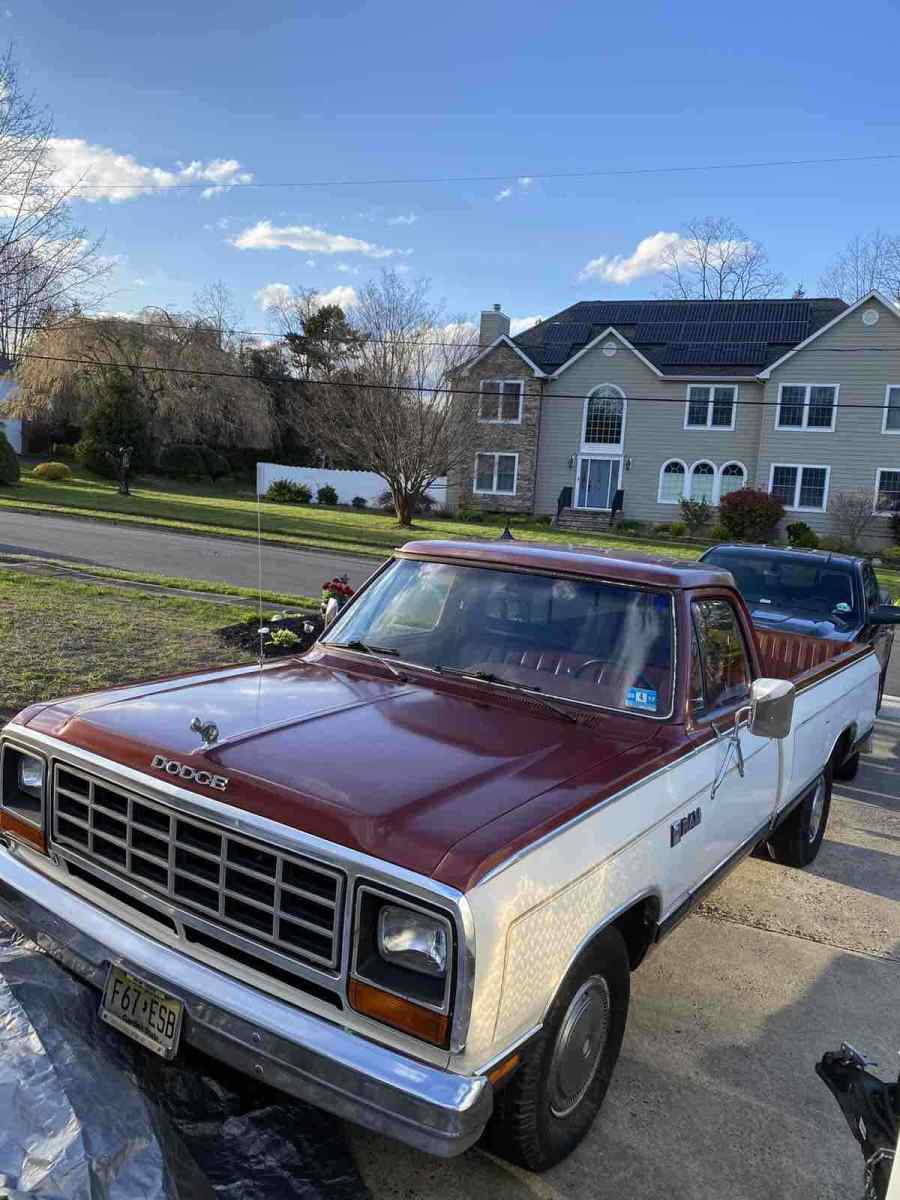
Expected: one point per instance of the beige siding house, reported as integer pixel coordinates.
(657, 400)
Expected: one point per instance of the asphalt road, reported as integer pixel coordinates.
(162, 552)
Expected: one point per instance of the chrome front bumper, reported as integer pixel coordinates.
(264, 1037)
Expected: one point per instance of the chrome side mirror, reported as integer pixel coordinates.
(771, 708)
(332, 608)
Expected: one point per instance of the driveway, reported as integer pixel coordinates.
(715, 1093)
(162, 552)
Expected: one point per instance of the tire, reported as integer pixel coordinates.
(796, 843)
(848, 769)
(551, 1102)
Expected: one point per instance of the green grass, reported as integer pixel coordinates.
(59, 638)
(231, 509)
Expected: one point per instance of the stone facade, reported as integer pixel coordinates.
(474, 436)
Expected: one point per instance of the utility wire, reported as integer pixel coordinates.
(594, 174)
(268, 377)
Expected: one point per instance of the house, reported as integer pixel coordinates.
(666, 399)
(11, 426)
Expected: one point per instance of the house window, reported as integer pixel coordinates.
(731, 478)
(495, 474)
(501, 400)
(887, 490)
(806, 406)
(671, 482)
(891, 422)
(604, 417)
(800, 487)
(710, 407)
(703, 481)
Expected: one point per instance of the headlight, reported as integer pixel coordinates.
(412, 940)
(31, 774)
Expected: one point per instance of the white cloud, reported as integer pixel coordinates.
(648, 258)
(266, 236)
(110, 176)
(518, 325)
(503, 194)
(139, 282)
(347, 270)
(403, 219)
(310, 262)
(273, 294)
(525, 182)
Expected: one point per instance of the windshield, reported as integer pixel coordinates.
(600, 643)
(813, 590)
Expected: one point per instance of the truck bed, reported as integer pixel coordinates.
(802, 659)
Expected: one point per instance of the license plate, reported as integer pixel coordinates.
(142, 1011)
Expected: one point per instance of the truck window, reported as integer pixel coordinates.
(723, 665)
(870, 587)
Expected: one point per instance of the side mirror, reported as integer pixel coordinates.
(332, 608)
(771, 708)
(885, 614)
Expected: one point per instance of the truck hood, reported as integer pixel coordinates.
(400, 770)
(769, 618)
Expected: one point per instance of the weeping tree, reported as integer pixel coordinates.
(189, 387)
(388, 404)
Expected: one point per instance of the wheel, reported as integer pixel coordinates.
(796, 843)
(848, 769)
(551, 1102)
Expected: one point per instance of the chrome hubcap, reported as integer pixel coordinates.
(579, 1045)
(816, 809)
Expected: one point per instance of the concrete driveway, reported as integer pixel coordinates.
(715, 1094)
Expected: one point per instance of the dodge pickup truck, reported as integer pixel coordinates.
(407, 874)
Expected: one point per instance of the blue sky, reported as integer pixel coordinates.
(372, 91)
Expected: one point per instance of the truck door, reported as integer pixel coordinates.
(741, 785)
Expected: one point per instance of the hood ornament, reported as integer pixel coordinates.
(209, 732)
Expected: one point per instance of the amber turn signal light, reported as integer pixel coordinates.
(398, 1013)
(503, 1069)
(22, 831)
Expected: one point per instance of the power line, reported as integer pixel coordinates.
(268, 377)
(512, 175)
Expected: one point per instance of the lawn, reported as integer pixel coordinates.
(58, 638)
(232, 509)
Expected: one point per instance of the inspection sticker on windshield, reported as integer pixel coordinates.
(642, 698)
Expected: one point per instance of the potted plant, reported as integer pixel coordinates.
(335, 594)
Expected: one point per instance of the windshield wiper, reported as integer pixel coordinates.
(377, 652)
(527, 688)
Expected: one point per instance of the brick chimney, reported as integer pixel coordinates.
(494, 323)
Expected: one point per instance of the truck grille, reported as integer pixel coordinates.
(273, 898)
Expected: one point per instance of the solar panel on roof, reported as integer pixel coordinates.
(735, 353)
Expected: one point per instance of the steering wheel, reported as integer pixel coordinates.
(591, 662)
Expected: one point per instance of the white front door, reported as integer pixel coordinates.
(596, 482)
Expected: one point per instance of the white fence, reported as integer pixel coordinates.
(347, 484)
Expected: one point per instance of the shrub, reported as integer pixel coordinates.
(543, 519)
(891, 555)
(677, 529)
(663, 527)
(837, 545)
(216, 464)
(628, 526)
(182, 462)
(52, 471)
(326, 494)
(695, 514)
(802, 535)
(358, 501)
(854, 515)
(9, 463)
(96, 457)
(285, 491)
(895, 525)
(719, 533)
(473, 516)
(750, 514)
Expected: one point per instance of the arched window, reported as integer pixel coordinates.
(671, 482)
(703, 481)
(733, 477)
(604, 417)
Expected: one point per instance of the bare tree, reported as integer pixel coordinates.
(868, 262)
(390, 406)
(855, 515)
(190, 389)
(46, 261)
(216, 305)
(713, 259)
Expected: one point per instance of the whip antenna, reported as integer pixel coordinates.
(261, 629)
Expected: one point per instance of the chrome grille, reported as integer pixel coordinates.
(274, 898)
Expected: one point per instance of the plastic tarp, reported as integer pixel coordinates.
(87, 1115)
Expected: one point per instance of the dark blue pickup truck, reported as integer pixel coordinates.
(833, 596)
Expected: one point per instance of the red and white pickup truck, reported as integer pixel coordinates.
(406, 875)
